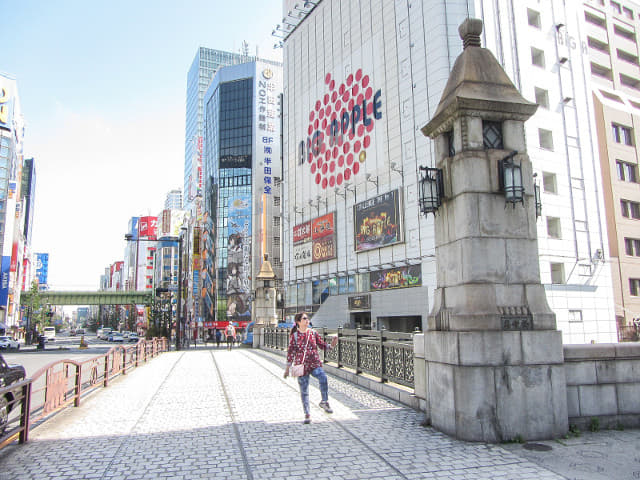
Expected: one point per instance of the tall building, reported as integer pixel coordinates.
(242, 187)
(27, 202)
(173, 200)
(138, 261)
(11, 214)
(204, 66)
(610, 39)
(360, 80)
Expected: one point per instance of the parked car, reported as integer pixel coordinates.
(8, 342)
(133, 337)
(9, 374)
(115, 337)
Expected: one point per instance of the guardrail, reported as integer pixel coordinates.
(383, 354)
(63, 383)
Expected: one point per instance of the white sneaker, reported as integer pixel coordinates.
(325, 406)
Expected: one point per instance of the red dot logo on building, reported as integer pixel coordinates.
(339, 130)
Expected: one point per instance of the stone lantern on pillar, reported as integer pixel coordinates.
(265, 296)
(493, 355)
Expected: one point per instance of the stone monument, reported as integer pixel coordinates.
(493, 355)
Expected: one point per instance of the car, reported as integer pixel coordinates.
(72, 333)
(104, 334)
(8, 342)
(9, 374)
(80, 331)
(133, 337)
(115, 337)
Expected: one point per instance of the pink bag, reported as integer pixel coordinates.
(298, 370)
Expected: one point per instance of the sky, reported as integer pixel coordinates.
(102, 86)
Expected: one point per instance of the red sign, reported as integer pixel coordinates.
(302, 232)
(148, 227)
(220, 325)
(14, 257)
(323, 226)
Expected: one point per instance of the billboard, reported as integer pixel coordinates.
(238, 280)
(4, 280)
(315, 240)
(399, 277)
(148, 227)
(377, 221)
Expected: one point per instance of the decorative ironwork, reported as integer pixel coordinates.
(386, 355)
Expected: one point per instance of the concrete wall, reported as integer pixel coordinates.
(603, 382)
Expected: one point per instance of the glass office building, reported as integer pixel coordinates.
(242, 174)
(205, 65)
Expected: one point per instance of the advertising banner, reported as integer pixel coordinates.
(42, 268)
(400, 277)
(377, 222)
(302, 254)
(324, 248)
(302, 232)
(238, 279)
(4, 280)
(133, 227)
(148, 227)
(323, 226)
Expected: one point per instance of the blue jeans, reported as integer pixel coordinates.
(304, 387)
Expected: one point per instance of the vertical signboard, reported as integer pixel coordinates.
(42, 269)
(268, 87)
(238, 281)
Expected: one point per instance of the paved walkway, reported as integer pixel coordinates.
(202, 414)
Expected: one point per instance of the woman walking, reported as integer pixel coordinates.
(303, 349)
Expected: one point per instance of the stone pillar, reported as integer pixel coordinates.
(493, 356)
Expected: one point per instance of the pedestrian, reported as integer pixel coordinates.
(230, 332)
(303, 349)
(218, 337)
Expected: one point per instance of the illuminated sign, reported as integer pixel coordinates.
(400, 277)
(339, 129)
(377, 222)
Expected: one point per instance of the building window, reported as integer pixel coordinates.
(492, 134)
(624, 33)
(575, 316)
(549, 182)
(598, 45)
(553, 227)
(533, 18)
(632, 247)
(622, 134)
(627, 57)
(537, 57)
(450, 146)
(627, 12)
(546, 139)
(616, 7)
(594, 19)
(629, 82)
(630, 209)
(634, 286)
(542, 97)
(627, 172)
(557, 273)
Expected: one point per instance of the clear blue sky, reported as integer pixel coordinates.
(102, 87)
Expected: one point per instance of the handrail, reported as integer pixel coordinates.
(61, 383)
(381, 353)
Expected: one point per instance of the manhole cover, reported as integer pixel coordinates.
(538, 447)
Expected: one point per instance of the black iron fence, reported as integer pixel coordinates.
(63, 383)
(382, 354)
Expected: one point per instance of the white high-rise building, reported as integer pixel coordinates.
(173, 200)
(360, 80)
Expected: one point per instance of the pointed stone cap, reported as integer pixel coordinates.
(266, 272)
(477, 83)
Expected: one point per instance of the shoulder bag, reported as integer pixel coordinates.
(297, 370)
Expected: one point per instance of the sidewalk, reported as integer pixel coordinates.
(206, 413)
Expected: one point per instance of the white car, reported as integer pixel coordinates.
(9, 342)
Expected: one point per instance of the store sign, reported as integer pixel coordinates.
(339, 130)
(315, 240)
(324, 249)
(360, 302)
(377, 222)
(302, 232)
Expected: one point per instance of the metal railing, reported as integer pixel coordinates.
(629, 333)
(382, 354)
(63, 383)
